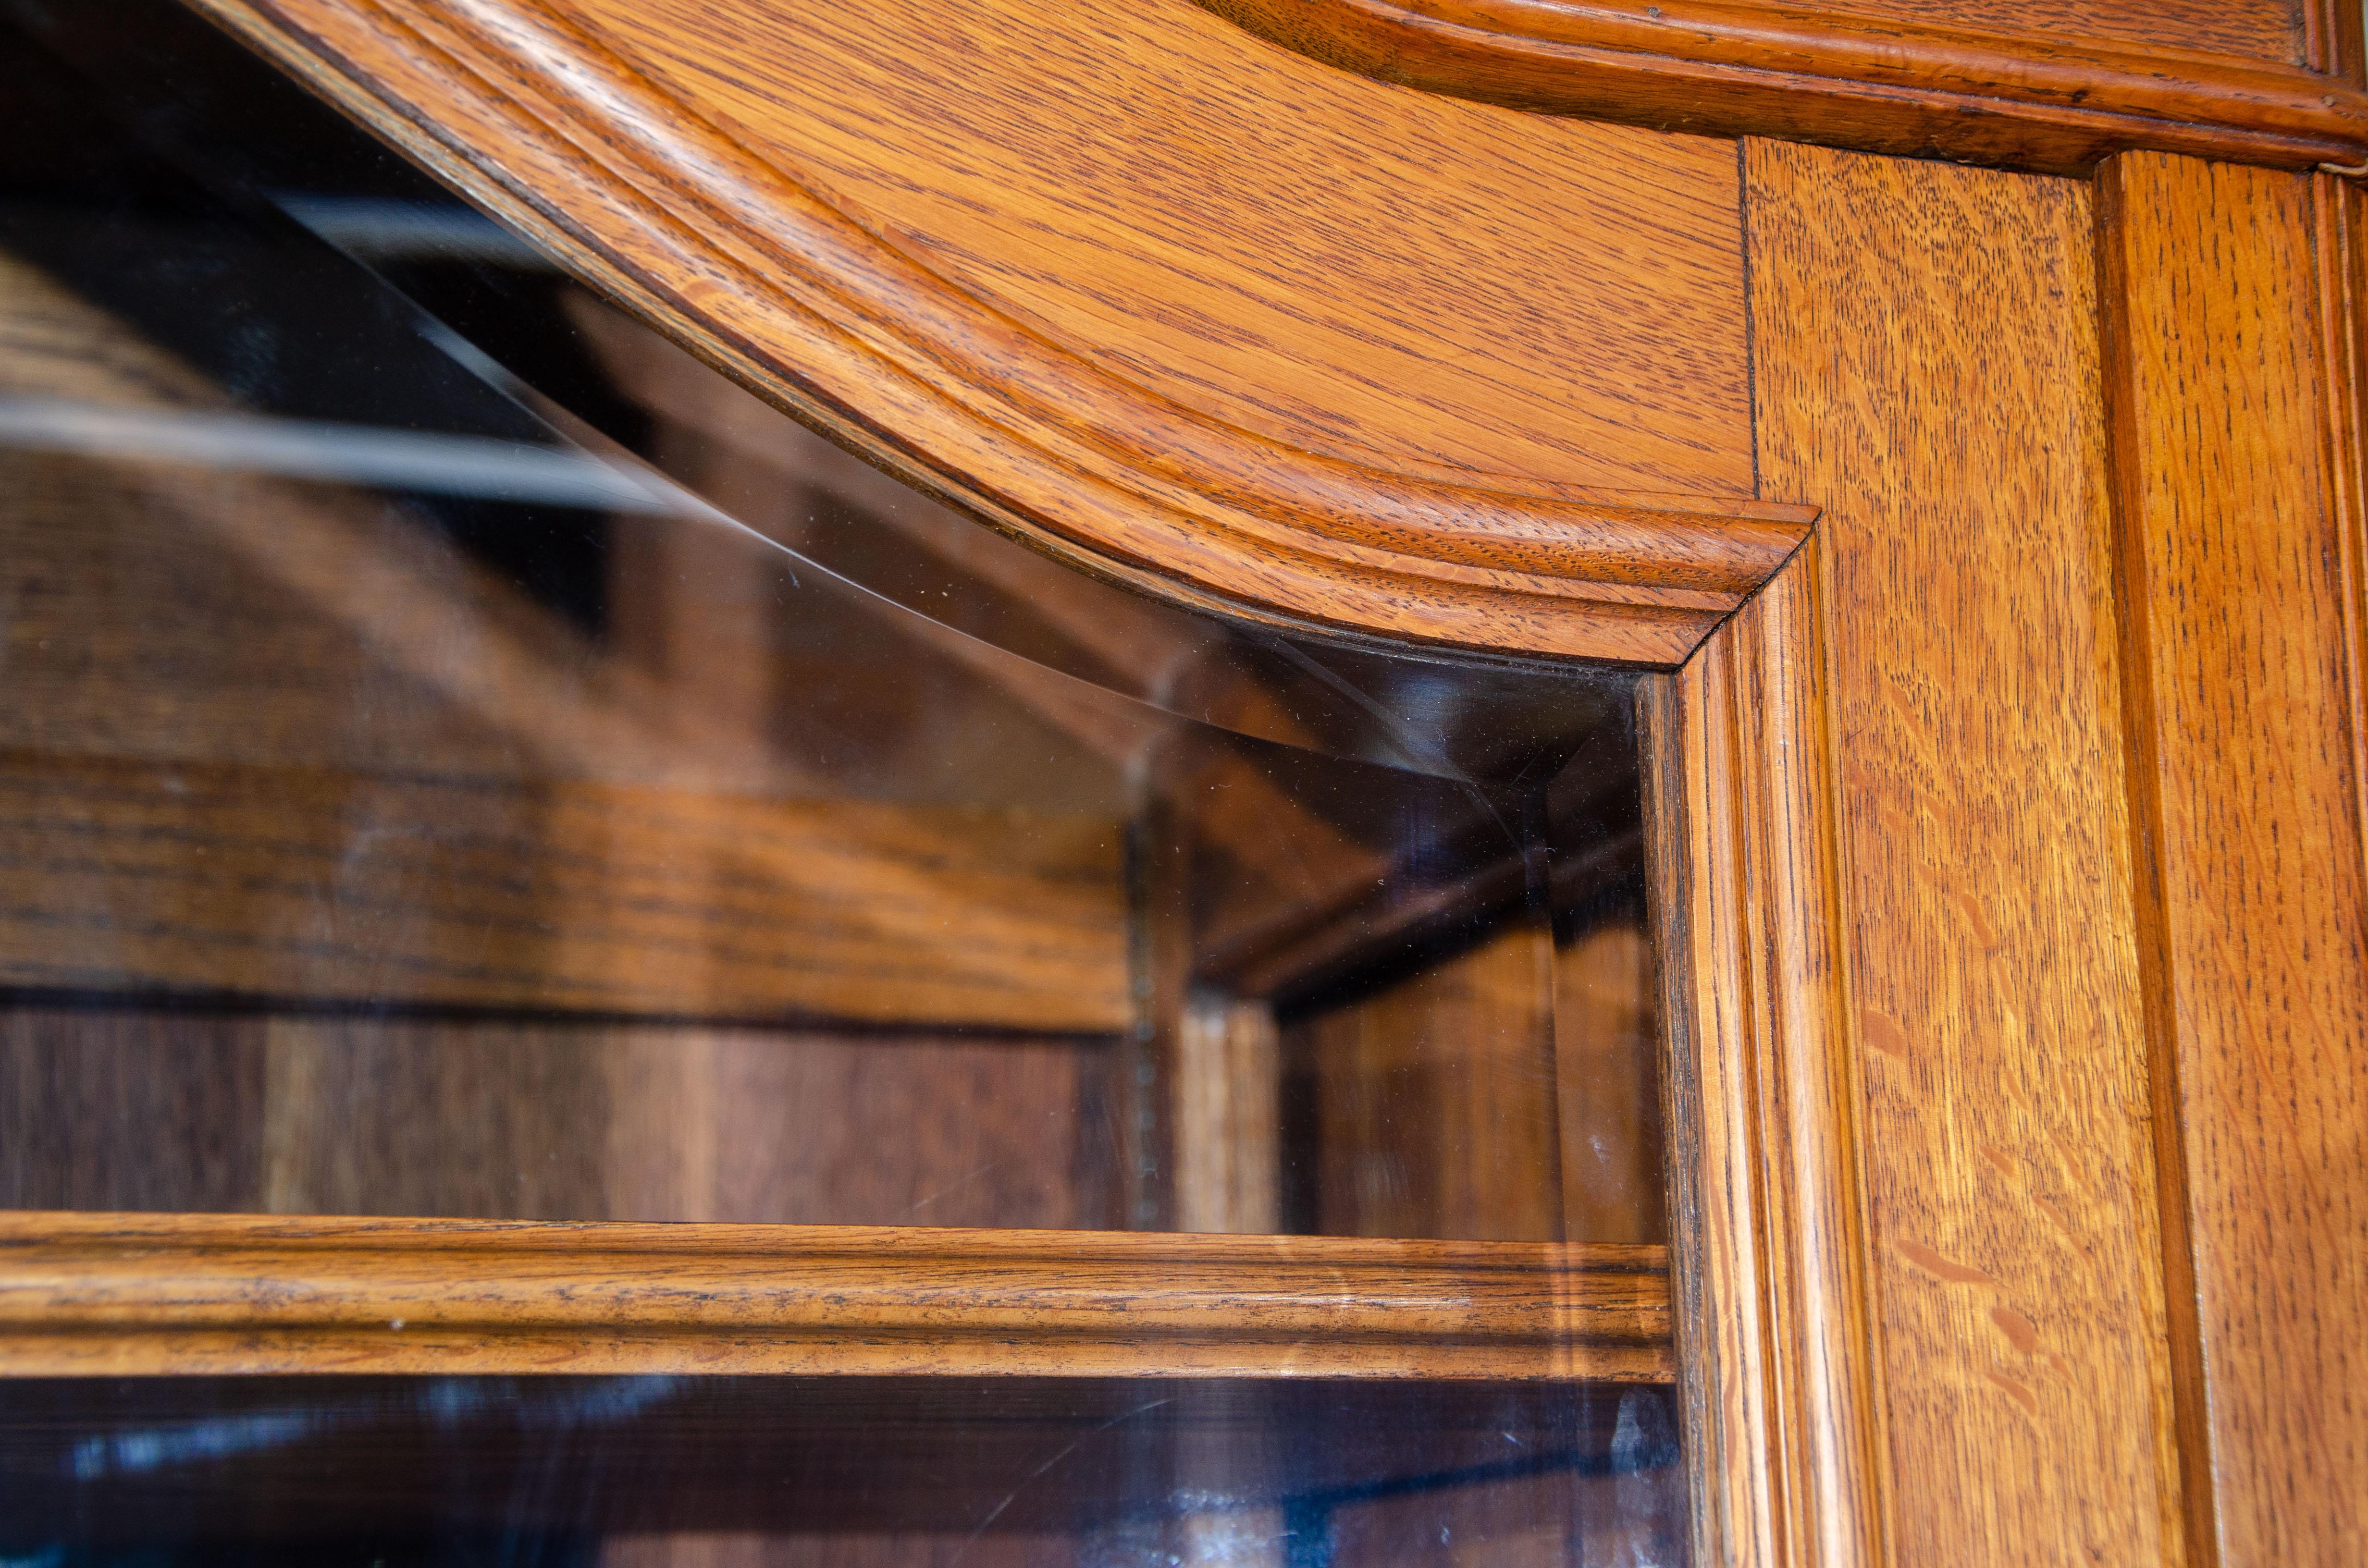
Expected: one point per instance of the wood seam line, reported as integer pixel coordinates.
(1282, 532)
(2047, 102)
(2189, 1509)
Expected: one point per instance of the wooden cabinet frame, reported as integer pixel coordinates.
(2005, 772)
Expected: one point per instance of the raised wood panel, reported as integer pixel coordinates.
(124, 1295)
(1929, 372)
(1074, 168)
(1487, 393)
(2233, 419)
(2014, 82)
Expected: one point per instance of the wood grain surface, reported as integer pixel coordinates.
(122, 1295)
(1435, 1112)
(1781, 1376)
(327, 885)
(1608, 1086)
(1929, 372)
(2018, 83)
(2234, 415)
(116, 1106)
(1245, 375)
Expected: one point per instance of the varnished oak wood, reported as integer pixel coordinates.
(1930, 373)
(1780, 1382)
(282, 882)
(2238, 476)
(2024, 87)
(916, 264)
(123, 1295)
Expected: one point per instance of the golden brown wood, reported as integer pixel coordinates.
(1606, 1043)
(2236, 462)
(1781, 1376)
(2023, 85)
(1228, 1083)
(1928, 372)
(204, 805)
(1435, 1107)
(131, 1295)
(877, 230)
(325, 885)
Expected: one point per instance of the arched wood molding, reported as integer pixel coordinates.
(2052, 104)
(540, 120)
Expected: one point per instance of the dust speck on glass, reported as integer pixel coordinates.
(462, 756)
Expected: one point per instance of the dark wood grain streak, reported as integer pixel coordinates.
(1780, 1372)
(124, 1295)
(2237, 466)
(634, 147)
(2034, 91)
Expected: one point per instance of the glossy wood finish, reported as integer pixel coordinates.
(2238, 476)
(922, 264)
(1929, 372)
(2023, 86)
(123, 1295)
(1783, 1384)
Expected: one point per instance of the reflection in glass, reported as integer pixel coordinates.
(763, 1473)
(464, 757)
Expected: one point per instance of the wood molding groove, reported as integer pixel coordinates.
(2046, 103)
(129, 1295)
(1777, 1370)
(533, 115)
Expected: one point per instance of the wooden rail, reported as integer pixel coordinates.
(85, 1294)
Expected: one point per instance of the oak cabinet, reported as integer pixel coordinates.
(1296, 783)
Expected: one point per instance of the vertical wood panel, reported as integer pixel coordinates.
(105, 1109)
(2234, 554)
(1781, 1376)
(1926, 371)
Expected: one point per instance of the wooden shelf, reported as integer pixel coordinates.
(127, 1295)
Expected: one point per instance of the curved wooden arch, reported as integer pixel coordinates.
(2054, 103)
(658, 192)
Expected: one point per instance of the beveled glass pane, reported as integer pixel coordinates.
(464, 757)
(469, 758)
